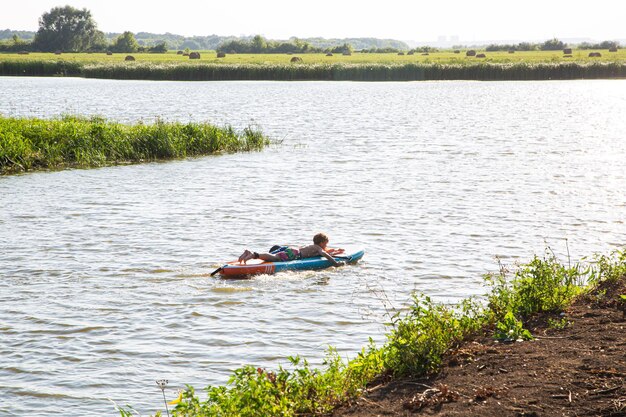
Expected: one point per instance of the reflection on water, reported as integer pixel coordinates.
(105, 273)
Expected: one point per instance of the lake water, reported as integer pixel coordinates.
(105, 282)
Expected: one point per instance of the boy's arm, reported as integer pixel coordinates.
(330, 258)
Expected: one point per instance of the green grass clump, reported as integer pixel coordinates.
(300, 390)
(418, 341)
(415, 345)
(72, 141)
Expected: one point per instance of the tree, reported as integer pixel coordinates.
(552, 45)
(67, 29)
(259, 44)
(126, 42)
(160, 48)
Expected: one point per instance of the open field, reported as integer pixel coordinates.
(443, 57)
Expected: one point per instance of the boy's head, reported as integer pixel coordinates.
(320, 239)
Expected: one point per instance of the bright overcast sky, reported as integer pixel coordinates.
(427, 20)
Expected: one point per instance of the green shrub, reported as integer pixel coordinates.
(610, 267)
(541, 286)
(418, 342)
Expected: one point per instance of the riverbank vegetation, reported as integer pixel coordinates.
(318, 72)
(28, 144)
(416, 342)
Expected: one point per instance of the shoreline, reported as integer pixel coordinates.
(547, 333)
(573, 370)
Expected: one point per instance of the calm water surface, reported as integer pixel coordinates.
(105, 282)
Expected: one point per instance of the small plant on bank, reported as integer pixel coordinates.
(609, 268)
(558, 324)
(511, 329)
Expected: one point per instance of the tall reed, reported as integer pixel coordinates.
(41, 68)
(72, 141)
(201, 71)
(357, 72)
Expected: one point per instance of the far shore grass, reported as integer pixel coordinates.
(29, 144)
(441, 57)
(415, 346)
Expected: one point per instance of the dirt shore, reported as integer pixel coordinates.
(579, 370)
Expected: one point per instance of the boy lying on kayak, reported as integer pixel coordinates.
(318, 248)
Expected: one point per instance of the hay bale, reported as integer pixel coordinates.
(129, 58)
(481, 56)
(109, 53)
(425, 54)
(329, 54)
(471, 52)
(511, 51)
(179, 52)
(410, 53)
(595, 54)
(221, 55)
(567, 51)
(23, 53)
(194, 55)
(296, 60)
(347, 53)
(613, 49)
(57, 52)
(400, 53)
(457, 51)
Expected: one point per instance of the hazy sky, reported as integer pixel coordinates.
(404, 20)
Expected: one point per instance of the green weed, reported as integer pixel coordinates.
(541, 286)
(511, 329)
(558, 324)
(418, 341)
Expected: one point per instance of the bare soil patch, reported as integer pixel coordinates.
(579, 370)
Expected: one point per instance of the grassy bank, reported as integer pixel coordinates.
(415, 344)
(338, 71)
(30, 144)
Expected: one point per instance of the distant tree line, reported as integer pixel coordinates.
(550, 45)
(389, 50)
(259, 45)
(68, 29)
(601, 45)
